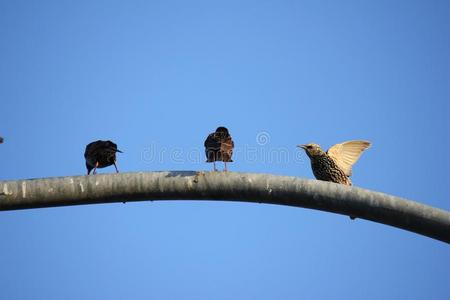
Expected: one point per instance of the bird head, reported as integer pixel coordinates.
(222, 130)
(112, 146)
(312, 150)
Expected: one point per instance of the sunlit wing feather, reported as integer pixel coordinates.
(346, 154)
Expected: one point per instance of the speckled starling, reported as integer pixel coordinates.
(219, 147)
(336, 164)
(100, 154)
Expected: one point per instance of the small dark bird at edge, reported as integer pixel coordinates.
(100, 154)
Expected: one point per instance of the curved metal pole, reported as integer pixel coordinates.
(248, 187)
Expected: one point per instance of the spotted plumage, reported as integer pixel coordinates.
(324, 168)
(335, 165)
(219, 147)
(100, 154)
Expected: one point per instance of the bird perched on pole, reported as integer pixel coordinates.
(336, 164)
(100, 154)
(219, 147)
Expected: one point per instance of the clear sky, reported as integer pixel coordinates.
(156, 77)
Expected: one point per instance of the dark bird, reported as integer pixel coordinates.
(1, 140)
(219, 147)
(100, 154)
(336, 164)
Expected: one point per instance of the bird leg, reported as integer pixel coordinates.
(225, 169)
(117, 171)
(95, 169)
(214, 164)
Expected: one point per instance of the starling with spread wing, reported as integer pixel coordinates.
(100, 154)
(336, 164)
(219, 147)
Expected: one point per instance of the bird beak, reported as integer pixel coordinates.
(302, 146)
(119, 151)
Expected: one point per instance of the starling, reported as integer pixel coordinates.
(219, 147)
(100, 154)
(336, 164)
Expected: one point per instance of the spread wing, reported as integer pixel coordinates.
(346, 154)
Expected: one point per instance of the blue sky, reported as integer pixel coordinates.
(156, 77)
